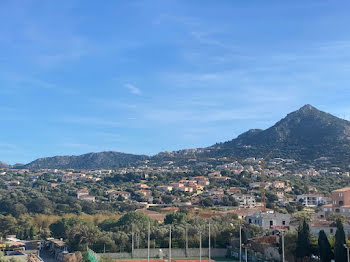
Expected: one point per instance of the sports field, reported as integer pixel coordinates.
(189, 259)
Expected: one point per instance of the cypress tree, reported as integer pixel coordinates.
(339, 249)
(31, 233)
(303, 248)
(324, 247)
(307, 240)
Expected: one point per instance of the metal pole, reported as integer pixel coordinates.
(348, 253)
(240, 243)
(283, 259)
(200, 246)
(170, 244)
(209, 255)
(186, 241)
(132, 240)
(149, 240)
(246, 254)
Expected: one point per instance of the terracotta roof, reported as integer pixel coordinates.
(83, 191)
(341, 190)
(323, 223)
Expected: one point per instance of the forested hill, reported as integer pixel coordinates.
(305, 135)
(87, 161)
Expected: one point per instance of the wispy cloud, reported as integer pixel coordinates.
(91, 121)
(133, 89)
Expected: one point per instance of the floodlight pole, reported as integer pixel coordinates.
(240, 243)
(170, 244)
(209, 255)
(200, 246)
(149, 241)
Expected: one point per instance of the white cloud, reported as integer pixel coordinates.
(133, 89)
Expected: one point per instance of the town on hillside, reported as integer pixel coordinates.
(212, 208)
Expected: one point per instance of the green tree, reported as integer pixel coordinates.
(121, 239)
(7, 225)
(207, 202)
(82, 234)
(40, 205)
(339, 249)
(324, 247)
(303, 248)
(138, 219)
(108, 224)
(167, 199)
(175, 218)
(59, 228)
(290, 244)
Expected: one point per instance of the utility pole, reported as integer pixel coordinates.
(283, 258)
(149, 240)
(200, 246)
(132, 240)
(240, 243)
(209, 255)
(170, 244)
(186, 240)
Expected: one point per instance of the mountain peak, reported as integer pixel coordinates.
(308, 108)
(303, 135)
(308, 111)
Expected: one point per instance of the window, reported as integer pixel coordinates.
(271, 223)
(283, 222)
(331, 230)
(250, 221)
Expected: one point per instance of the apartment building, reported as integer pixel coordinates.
(340, 202)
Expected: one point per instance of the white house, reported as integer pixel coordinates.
(312, 200)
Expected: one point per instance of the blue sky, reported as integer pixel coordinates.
(155, 75)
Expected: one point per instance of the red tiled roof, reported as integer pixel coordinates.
(341, 190)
